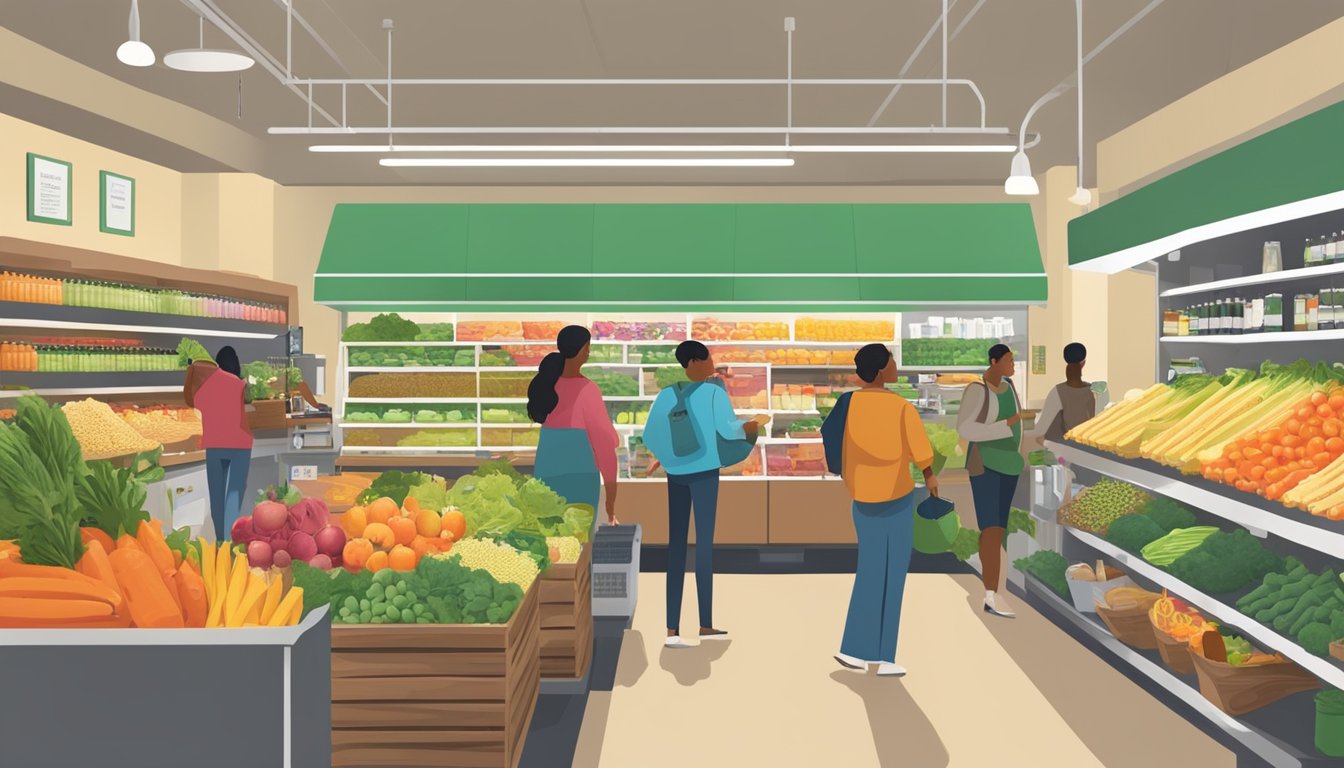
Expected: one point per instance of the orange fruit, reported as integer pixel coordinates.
(381, 536)
(403, 529)
(455, 523)
(356, 553)
(428, 524)
(354, 521)
(421, 546)
(382, 510)
(377, 562)
(402, 558)
(410, 507)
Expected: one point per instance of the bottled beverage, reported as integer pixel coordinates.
(1238, 316)
(1307, 258)
(1330, 249)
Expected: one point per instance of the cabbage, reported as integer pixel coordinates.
(432, 493)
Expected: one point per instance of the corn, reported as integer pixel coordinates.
(101, 433)
(505, 563)
(569, 548)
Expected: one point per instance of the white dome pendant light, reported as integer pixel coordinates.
(1020, 181)
(134, 53)
(204, 59)
(1081, 196)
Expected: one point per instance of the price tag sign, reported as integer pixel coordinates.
(303, 472)
(1038, 360)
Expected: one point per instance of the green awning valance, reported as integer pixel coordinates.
(672, 258)
(1293, 171)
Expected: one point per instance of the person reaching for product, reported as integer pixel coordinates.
(685, 426)
(881, 435)
(576, 452)
(1068, 404)
(990, 421)
(217, 390)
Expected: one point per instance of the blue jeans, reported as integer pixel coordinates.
(226, 472)
(886, 532)
(701, 491)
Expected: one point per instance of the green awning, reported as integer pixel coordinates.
(678, 258)
(1293, 171)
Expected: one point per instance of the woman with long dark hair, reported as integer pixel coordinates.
(218, 392)
(576, 455)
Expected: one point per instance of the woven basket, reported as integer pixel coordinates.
(1131, 626)
(1175, 653)
(1238, 690)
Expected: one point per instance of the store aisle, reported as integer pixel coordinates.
(981, 691)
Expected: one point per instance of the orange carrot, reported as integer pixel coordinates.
(10, 547)
(58, 589)
(191, 593)
(95, 564)
(152, 542)
(11, 568)
(89, 533)
(127, 541)
(39, 611)
(151, 605)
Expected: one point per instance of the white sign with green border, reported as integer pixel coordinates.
(116, 195)
(49, 190)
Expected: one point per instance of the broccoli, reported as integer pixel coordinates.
(1316, 639)
(386, 327)
(1226, 562)
(1134, 532)
(1337, 624)
(1167, 514)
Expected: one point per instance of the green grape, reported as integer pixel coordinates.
(365, 616)
(400, 601)
(393, 612)
(390, 593)
(407, 616)
(351, 603)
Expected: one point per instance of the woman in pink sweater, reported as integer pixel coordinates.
(576, 455)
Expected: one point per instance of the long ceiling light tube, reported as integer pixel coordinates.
(634, 130)
(667, 148)
(586, 162)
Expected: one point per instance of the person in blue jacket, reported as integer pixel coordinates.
(689, 453)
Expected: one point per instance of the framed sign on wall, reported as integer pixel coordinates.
(116, 204)
(49, 190)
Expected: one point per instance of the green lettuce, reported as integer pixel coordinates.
(432, 493)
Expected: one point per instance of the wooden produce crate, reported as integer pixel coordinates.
(460, 695)
(567, 618)
(1337, 649)
(267, 414)
(1238, 690)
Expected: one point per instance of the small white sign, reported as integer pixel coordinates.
(118, 205)
(48, 190)
(303, 472)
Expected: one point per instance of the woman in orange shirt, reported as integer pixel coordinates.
(883, 437)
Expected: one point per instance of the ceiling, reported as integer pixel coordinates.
(1014, 50)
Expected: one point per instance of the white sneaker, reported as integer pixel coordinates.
(888, 669)
(849, 662)
(997, 606)
(675, 641)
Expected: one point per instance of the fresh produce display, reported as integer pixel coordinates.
(1174, 618)
(1225, 562)
(413, 385)
(239, 592)
(1232, 650)
(1121, 598)
(284, 527)
(395, 486)
(639, 331)
(491, 330)
(1322, 494)
(711, 329)
(505, 414)
(420, 414)
(1305, 606)
(101, 433)
(503, 501)
(386, 327)
(435, 332)
(164, 425)
(656, 355)
(510, 438)
(1273, 462)
(787, 356)
(668, 376)
(411, 357)
(1048, 566)
(438, 438)
(564, 549)
(1134, 532)
(190, 351)
(505, 385)
(815, 329)
(629, 416)
(793, 397)
(506, 564)
(1100, 505)
(610, 384)
(435, 591)
(945, 352)
(40, 468)
(270, 381)
(1168, 514)
(1178, 543)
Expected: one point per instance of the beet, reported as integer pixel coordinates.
(269, 516)
(259, 554)
(281, 559)
(302, 546)
(242, 532)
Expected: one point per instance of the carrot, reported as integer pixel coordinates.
(11, 568)
(8, 546)
(177, 559)
(191, 591)
(38, 611)
(152, 542)
(151, 604)
(95, 564)
(127, 541)
(89, 533)
(59, 589)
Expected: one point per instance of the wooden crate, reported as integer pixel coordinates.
(567, 618)
(405, 696)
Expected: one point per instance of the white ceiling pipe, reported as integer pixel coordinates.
(1081, 196)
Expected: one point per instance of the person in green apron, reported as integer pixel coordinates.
(990, 420)
(576, 454)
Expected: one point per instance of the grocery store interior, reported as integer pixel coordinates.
(284, 282)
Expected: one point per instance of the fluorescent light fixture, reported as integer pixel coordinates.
(207, 60)
(589, 162)
(667, 148)
(134, 53)
(1081, 196)
(1020, 181)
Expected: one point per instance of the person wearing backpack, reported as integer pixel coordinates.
(990, 421)
(871, 438)
(693, 432)
(1068, 404)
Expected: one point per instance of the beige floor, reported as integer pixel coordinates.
(981, 691)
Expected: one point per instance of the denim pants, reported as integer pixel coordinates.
(226, 473)
(701, 491)
(886, 532)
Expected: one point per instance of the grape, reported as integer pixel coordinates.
(400, 601)
(364, 605)
(390, 593)
(365, 616)
(407, 616)
(351, 604)
(393, 612)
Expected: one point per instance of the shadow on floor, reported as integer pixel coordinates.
(692, 664)
(588, 749)
(634, 660)
(902, 735)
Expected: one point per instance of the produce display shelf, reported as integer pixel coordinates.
(422, 459)
(942, 368)
(437, 425)
(1273, 337)
(181, 459)
(1325, 669)
(54, 316)
(390, 449)
(435, 400)
(1246, 510)
(1266, 278)
(40, 380)
(417, 369)
(1297, 714)
(91, 391)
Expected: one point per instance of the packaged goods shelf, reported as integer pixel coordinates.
(1325, 669)
(60, 317)
(91, 391)
(1246, 510)
(1266, 278)
(1272, 337)
(100, 381)
(1269, 747)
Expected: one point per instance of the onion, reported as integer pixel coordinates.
(242, 531)
(269, 516)
(321, 561)
(330, 540)
(282, 559)
(302, 546)
(259, 555)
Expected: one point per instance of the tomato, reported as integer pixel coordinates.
(1325, 412)
(1229, 475)
(1266, 448)
(1269, 462)
(1321, 459)
(1315, 445)
(1335, 445)
(1291, 427)
(1332, 428)
(1292, 441)
(1235, 456)
(1258, 472)
(1277, 451)
(1336, 401)
(1300, 452)
(1318, 398)
(1253, 454)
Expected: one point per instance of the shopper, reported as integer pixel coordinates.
(576, 454)
(991, 422)
(217, 390)
(882, 437)
(1068, 404)
(684, 426)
